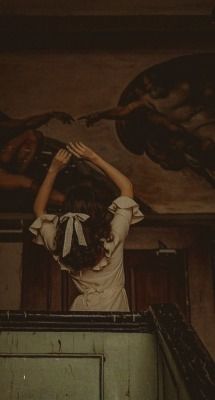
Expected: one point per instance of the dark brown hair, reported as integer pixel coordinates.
(85, 198)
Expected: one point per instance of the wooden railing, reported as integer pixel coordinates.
(182, 354)
(185, 370)
(76, 321)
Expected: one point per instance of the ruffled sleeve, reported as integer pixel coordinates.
(126, 203)
(44, 230)
(126, 212)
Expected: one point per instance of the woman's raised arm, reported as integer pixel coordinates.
(59, 162)
(121, 181)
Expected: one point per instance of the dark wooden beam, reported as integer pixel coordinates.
(104, 32)
(14, 222)
(190, 355)
(75, 321)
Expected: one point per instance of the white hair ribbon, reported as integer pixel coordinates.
(73, 222)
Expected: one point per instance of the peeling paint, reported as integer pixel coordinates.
(59, 349)
(61, 376)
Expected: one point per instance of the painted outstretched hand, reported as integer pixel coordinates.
(90, 119)
(64, 117)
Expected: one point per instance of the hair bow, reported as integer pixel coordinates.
(73, 222)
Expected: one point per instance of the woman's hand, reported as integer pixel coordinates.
(120, 180)
(59, 161)
(82, 151)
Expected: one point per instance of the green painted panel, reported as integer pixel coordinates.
(130, 366)
(48, 378)
(170, 388)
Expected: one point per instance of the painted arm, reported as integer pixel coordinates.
(24, 146)
(119, 179)
(119, 112)
(59, 162)
(11, 125)
(9, 181)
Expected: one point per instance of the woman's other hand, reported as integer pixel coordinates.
(60, 161)
(82, 151)
(119, 179)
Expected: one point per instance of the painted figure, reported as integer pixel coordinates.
(168, 113)
(22, 155)
(25, 156)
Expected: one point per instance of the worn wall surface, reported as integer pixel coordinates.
(122, 365)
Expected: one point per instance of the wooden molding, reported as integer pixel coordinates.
(35, 32)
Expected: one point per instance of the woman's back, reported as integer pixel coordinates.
(84, 240)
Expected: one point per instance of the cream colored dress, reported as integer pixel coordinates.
(101, 287)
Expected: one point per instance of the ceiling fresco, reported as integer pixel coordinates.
(152, 116)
